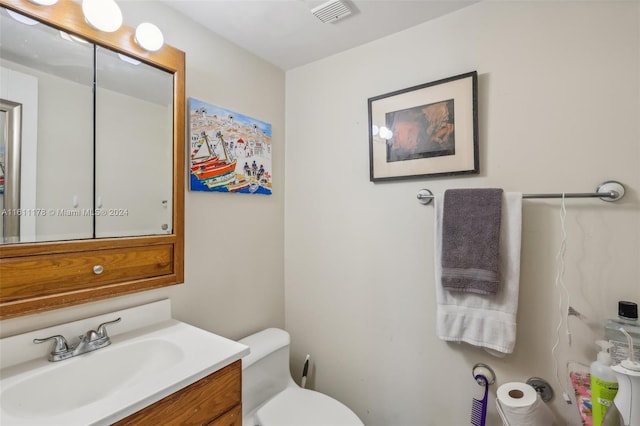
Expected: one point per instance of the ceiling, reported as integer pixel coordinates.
(286, 33)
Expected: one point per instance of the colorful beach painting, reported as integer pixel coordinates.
(229, 151)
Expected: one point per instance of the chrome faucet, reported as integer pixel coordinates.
(90, 341)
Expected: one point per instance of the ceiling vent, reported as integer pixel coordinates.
(331, 11)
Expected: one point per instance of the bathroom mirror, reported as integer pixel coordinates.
(98, 200)
(134, 129)
(99, 162)
(51, 76)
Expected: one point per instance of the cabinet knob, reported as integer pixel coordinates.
(98, 269)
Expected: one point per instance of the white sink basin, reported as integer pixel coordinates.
(140, 367)
(88, 378)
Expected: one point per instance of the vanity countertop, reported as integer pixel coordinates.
(141, 366)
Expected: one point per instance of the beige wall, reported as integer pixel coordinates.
(559, 103)
(234, 244)
(234, 279)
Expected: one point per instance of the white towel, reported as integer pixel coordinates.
(485, 321)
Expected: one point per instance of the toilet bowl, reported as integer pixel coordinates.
(270, 397)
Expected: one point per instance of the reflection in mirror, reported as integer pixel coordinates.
(134, 147)
(51, 74)
(10, 125)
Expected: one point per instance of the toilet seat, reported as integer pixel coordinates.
(302, 407)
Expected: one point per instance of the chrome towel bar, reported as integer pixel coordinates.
(610, 190)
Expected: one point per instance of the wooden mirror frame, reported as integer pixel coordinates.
(37, 277)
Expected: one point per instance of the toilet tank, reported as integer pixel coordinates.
(265, 371)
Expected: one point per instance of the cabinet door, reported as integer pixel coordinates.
(232, 417)
(134, 147)
(50, 74)
(197, 404)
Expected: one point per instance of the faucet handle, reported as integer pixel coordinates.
(102, 328)
(59, 344)
(89, 336)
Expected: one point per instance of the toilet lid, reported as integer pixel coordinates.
(303, 407)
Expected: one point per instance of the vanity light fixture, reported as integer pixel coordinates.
(103, 15)
(44, 2)
(149, 37)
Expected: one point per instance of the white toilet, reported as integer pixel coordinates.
(270, 397)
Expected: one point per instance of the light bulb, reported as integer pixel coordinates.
(149, 37)
(103, 15)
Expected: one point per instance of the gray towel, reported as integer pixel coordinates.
(470, 240)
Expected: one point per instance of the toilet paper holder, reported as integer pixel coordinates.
(483, 370)
(542, 387)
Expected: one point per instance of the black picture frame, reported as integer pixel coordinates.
(427, 130)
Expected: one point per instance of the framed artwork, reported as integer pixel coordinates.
(425, 131)
(229, 151)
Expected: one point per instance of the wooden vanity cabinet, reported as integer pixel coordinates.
(215, 400)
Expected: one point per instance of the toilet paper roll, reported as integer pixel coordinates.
(519, 404)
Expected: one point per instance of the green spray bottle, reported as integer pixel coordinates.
(604, 383)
